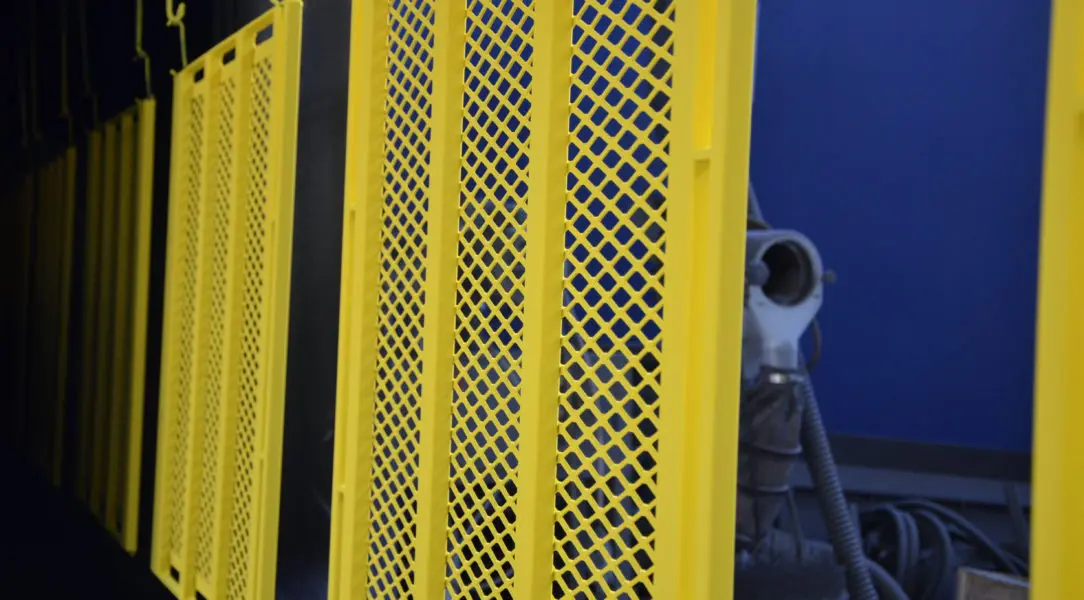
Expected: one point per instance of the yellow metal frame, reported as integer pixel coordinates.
(24, 302)
(698, 407)
(357, 358)
(41, 392)
(1058, 473)
(91, 264)
(233, 163)
(119, 201)
(139, 289)
(70, 165)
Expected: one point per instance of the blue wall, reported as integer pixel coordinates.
(905, 137)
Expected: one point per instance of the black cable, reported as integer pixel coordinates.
(915, 541)
(887, 588)
(940, 574)
(822, 467)
(970, 533)
(796, 525)
(1019, 520)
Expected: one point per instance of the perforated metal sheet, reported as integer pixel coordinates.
(227, 293)
(502, 411)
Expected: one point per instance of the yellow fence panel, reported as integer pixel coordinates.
(24, 219)
(116, 251)
(226, 307)
(1056, 557)
(51, 196)
(529, 184)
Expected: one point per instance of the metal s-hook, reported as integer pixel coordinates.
(141, 54)
(65, 108)
(175, 18)
(88, 87)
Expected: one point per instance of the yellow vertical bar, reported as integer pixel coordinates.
(48, 310)
(44, 305)
(71, 157)
(167, 411)
(359, 304)
(137, 359)
(26, 239)
(230, 372)
(709, 185)
(285, 98)
(118, 360)
(37, 317)
(686, 180)
(1058, 479)
(91, 267)
(546, 199)
(196, 422)
(449, 39)
(104, 333)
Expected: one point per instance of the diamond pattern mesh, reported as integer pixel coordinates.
(489, 299)
(394, 484)
(610, 377)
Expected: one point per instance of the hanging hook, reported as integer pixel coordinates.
(175, 18)
(88, 87)
(141, 54)
(24, 111)
(35, 126)
(65, 109)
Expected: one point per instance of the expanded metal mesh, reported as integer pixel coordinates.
(611, 376)
(489, 299)
(544, 369)
(396, 418)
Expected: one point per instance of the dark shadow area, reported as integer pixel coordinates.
(52, 548)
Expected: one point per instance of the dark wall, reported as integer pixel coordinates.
(905, 136)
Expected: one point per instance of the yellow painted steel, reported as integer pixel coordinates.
(23, 224)
(104, 325)
(42, 394)
(546, 198)
(439, 313)
(1058, 473)
(361, 293)
(88, 367)
(226, 306)
(66, 240)
(551, 175)
(110, 386)
(139, 284)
